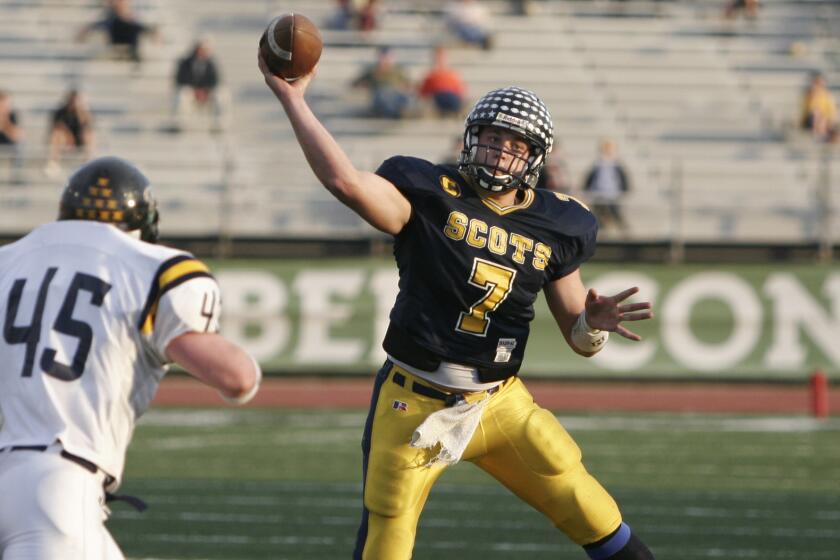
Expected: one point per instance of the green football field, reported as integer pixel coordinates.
(284, 484)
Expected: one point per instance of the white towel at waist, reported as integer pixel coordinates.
(452, 428)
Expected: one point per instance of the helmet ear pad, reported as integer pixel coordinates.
(113, 191)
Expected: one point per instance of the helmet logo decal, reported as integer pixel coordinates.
(522, 123)
(98, 205)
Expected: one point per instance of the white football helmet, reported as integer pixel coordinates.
(521, 112)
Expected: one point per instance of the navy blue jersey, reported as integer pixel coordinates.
(470, 269)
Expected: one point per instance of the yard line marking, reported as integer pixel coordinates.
(162, 417)
(684, 551)
(238, 539)
(253, 485)
(236, 489)
(678, 423)
(315, 439)
(190, 418)
(350, 420)
(743, 531)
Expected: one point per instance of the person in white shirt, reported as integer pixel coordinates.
(92, 314)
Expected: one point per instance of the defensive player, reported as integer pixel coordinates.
(92, 313)
(474, 244)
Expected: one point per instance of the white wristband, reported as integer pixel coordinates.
(585, 338)
(250, 394)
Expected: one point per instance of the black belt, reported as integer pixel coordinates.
(135, 502)
(82, 462)
(450, 399)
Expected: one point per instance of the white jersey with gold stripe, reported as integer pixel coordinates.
(87, 313)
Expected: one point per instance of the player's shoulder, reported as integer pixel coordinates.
(135, 253)
(122, 249)
(566, 215)
(417, 177)
(10, 248)
(155, 252)
(171, 266)
(59, 234)
(407, 168)
(404, 165)
(569, 214)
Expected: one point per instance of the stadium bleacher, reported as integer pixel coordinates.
(703, 110)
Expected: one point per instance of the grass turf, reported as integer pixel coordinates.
(284, 484)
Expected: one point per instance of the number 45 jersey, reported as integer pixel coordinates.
(87, 313)
(470, 269)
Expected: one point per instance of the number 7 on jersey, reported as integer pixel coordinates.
(497, 280)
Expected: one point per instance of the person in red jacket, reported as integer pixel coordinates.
(443, 85)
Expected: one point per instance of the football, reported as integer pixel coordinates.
(291, 46)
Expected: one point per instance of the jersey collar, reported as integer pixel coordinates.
(501, 210)
(497, 208)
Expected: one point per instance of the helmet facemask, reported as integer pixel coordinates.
(486, 164)
(150, 232)
(518, 111)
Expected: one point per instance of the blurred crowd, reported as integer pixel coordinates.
(393, 89)
(818, 114)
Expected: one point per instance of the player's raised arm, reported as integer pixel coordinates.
(375, 199)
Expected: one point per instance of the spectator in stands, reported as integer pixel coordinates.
(470, 22)
(71, 129)
(369, 16)
(123, 29)
(362, 15)
(443, 85)
(819, 110)
(343, 18)
(389, 86)
(606, 184)
(197, 84)
(747, 7)
(522, 7)
(11, 135)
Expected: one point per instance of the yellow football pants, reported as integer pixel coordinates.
(520, 444)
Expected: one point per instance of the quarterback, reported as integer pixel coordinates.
(475, 244)
(92, 313)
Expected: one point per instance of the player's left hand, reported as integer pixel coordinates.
(606, 313)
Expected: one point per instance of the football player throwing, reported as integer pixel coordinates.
(475, 244)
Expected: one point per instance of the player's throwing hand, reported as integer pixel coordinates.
(279, 86)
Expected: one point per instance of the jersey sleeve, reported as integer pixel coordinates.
(409, 175)
(193, 306)
(184, 298)
(577, 241)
